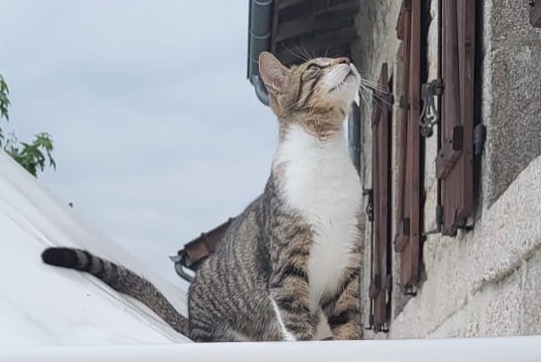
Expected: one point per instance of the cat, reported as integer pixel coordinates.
(293, 252)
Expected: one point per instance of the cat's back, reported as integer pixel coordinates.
(230, 287)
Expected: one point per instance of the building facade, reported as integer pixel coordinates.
(450, 145)
(446, 137)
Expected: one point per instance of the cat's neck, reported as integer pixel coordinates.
(300, 145)
(322, 124)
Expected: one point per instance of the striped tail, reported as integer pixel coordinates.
(120, 279)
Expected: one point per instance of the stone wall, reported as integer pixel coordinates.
(486, 281)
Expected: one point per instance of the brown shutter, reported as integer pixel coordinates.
(407, 241)
(455, 162)
(535, 13)
(381, 175)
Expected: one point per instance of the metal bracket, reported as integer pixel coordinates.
(179, 267)
(429, 114)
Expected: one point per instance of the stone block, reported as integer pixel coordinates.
(531, 304)
(511, 94)
(502, 316)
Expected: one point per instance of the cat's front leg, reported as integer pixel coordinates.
(291, 303)
(343, 309)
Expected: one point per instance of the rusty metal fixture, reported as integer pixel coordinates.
(429, 114)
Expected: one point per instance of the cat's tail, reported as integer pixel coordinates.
(120, 279)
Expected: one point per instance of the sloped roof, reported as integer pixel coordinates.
(45, 306)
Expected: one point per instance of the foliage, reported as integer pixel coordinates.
(34, 156)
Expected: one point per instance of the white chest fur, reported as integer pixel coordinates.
(321, 183)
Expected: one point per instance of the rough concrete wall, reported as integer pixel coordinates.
(483, 282)
(511, 93)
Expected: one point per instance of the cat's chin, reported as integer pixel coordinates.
(345, 92)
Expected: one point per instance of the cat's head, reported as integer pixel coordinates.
(318, 85)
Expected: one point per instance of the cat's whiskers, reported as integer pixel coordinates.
(363, 96)
(305, 52)
(380, 97)
(374, 85)
(327, 51)
(295, 54)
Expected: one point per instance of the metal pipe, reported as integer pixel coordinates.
(259, 40)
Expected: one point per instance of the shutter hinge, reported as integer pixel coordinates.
(429, 114)
(479, 137)
(370, 206)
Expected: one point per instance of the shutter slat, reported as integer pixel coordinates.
(465, 205)
(410, 255)
(455, 165)
(403, 33)
(408, 215)
(381, 170)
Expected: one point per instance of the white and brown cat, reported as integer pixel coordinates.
(296, 250)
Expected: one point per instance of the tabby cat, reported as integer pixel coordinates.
(296, 250)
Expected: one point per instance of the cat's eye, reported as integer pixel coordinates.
(314, 66)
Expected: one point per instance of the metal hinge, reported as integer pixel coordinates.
(429, 114)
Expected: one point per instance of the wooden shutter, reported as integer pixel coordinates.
(535, 13)
(455, 162)
(380, 286)
(408, 218)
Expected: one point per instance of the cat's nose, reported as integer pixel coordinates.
(343, 60)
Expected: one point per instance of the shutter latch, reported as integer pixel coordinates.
(429, 115)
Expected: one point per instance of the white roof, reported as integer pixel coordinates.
(53, 314)
(42, 305)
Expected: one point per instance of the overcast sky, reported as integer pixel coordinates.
(158, 134)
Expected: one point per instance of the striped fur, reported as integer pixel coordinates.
(120, 279)
(296, 250)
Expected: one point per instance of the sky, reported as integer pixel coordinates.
(158, 134)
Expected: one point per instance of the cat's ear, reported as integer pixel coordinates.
(272, 72)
